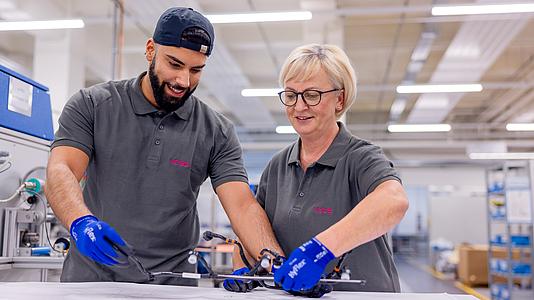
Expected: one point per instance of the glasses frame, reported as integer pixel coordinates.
(302, 96)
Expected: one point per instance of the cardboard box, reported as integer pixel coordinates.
(473, 262)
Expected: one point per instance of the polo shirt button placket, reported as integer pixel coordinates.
(301, 194)
(157, 142)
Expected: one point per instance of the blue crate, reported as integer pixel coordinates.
(520, 240)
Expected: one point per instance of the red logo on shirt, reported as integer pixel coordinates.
(180, 163)
(323, 210)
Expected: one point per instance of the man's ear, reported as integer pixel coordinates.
(150, 50)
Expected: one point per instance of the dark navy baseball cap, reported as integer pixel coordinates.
(174, 21)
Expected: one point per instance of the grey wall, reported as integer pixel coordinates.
(456, 202)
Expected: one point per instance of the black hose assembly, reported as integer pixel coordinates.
(261, 267)
(208, 236)
(258, 274)
(272, 258)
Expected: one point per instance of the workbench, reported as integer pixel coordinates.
(116, 290)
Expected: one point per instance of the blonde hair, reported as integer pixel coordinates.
(305, 61)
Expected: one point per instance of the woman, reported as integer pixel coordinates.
(329, 192)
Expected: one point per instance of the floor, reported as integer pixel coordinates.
(417, 277)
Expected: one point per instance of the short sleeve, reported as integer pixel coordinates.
(372, 168)
(76, 124)
(226, 162)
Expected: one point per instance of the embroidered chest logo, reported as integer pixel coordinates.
(181, 163)
(322, 210)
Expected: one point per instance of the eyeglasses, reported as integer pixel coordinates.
(310, 97)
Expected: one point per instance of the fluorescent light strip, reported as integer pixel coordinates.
(419, 128)
(482, 9)
(503, 155)
(438, 88)
(260, 17)
(520, 126)
(41, 25)
(285, 129)
(260, 92)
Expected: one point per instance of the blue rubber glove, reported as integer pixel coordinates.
(304, 267)
(236, 285)
(95, 240)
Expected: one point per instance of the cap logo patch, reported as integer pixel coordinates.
(203, 49)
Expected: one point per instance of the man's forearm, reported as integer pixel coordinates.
(64, 194)
(254, 230)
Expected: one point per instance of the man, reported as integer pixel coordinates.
(146, 145)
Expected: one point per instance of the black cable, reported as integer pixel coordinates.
(209, 235)
(242, 255)
(204, 263)
(31, 171)
(8, 164)
(46, 228)
(274, 253)
(337, 268)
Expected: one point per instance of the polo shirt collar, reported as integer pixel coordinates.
(337, 148)
(294, 153)
(332, 154)
(142, 106)
(184, 112)
(140, 103)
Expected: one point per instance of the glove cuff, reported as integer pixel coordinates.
(241, 271)
(323, 255)
(82, 219)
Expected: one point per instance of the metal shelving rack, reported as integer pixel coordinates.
(510, 230)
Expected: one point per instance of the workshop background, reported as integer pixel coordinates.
(466, 80)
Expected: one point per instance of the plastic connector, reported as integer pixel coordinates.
(346, 274)
(193, 258)
(265, 262)
(34, 185)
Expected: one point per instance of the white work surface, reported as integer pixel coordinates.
(116, 290)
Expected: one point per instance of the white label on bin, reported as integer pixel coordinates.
(20, 97)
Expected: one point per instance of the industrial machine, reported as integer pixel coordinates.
(26, 132)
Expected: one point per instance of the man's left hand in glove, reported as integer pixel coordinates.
(237, 285)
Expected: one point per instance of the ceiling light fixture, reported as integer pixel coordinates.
(41, 25)
(260, 92)
(482, 9)
(419, 128)
(520, 126)
(438, 88)
(260, 17)
(501, 155)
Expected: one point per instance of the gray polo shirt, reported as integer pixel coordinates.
(145, 172)
(301, 204)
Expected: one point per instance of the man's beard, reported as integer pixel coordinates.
(164, 101)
